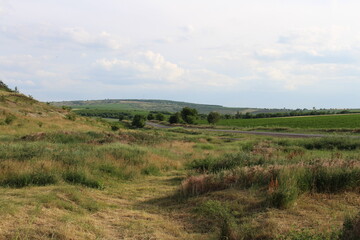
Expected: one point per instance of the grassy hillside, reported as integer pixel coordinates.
(155, 105)
(20, 114)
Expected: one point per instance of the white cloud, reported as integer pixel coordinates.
(103, 39)
(151, 67)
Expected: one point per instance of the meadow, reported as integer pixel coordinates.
(67, 177)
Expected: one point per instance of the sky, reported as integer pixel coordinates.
(259, 53)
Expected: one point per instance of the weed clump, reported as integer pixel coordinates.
(151, 170)
(29, 179)
(76, 177)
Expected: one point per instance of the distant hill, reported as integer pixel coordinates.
(156, 105)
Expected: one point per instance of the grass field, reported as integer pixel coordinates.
(351, 121)
(65, 177)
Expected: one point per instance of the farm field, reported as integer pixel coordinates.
(350, 121)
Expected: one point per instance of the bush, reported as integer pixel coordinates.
(138, 121)
(189, 115)
(160, 117)
(73, 177)
(175, 118)
(213, 117)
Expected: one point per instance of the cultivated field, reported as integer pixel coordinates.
(324, 122)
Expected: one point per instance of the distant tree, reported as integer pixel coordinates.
(213, 117)
(189, 115)
(175, 118)
(160, 117)
(150, 116)
(238, 115)
(138, 121)
(227, 116)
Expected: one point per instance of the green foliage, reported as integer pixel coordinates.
(29, 179)
(213, 117)
(138, 121)
(175, 118)
(189, 115)
(150, 116)
(76, 177)
(160, 117)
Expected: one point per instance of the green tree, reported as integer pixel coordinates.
(160, 117)
(150, 116)
(213, 117)
(138, 121)
(175, 118)
(189, 115)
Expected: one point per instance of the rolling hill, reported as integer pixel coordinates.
(156, 105)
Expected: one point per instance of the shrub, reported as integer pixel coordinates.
(160, 117)
(189, 115)
(175, 118)
(75, 177)
(213, 117)
(138, 121)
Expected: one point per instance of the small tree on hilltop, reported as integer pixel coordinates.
(189, 115)
(138, 121)
(213, 117)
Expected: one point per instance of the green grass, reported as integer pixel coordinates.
(309, 122)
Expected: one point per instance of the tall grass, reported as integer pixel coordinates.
(29, 179)
(283, 185)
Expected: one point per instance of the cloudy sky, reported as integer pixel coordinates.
(259, 53)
